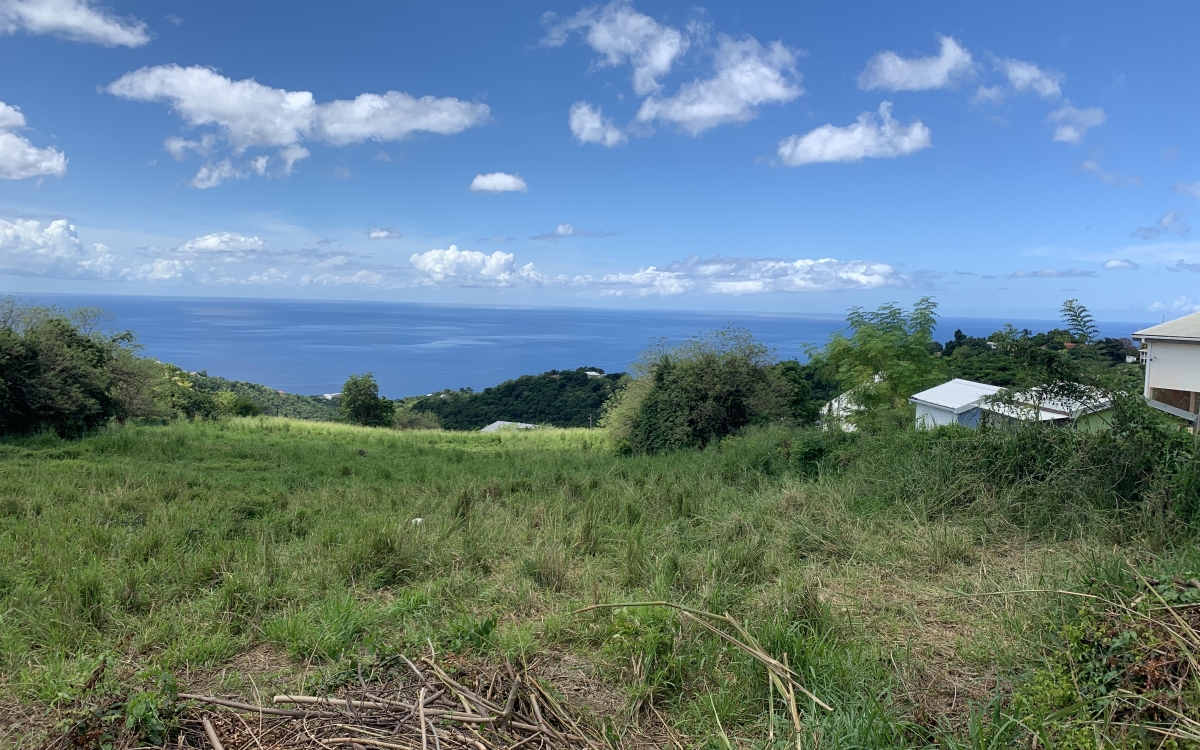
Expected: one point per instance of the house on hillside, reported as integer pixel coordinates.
(967, 403)
(1171, 352)
(1086, 408)
(953, 402)
(502, 425)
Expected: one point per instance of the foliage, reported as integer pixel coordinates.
(361, 403)
(58, 372)
(562, 398)
(1079, 322)
(270, 401)
(703, 390)
(408, 418)
(886, 358)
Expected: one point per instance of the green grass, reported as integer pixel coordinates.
(269, 552)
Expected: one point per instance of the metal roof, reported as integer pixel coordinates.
(958, 395)
(1186, 328)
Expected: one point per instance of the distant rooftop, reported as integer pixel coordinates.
(957, 395)
(1186, 328)
(494, 426)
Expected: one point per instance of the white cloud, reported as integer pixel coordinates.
(472, 268)
(384, 233)
(1172, 222)
(498, 182)
(890, 72)
(1184, 304)
(622, 35)
(27, 247)
(76, 20)
(1095, 169)
(1074, 123)
(228, 246)
(1053, 273)
(868, 138)
(211, 175)
(1121, 264)
(1185, 188)
(290, 155)
(248, 114)
(645, 283)
(570, 230)
(361, 278)
(19, 158)
(745, 76)
(988, 94)
(589, 125)
(738, 276)
(1025, 76)
(160, 270)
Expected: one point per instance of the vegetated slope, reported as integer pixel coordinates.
(178, 548)
(562, 398)
(272, 402)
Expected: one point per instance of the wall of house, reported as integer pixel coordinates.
(1172, 365)
(929, 417)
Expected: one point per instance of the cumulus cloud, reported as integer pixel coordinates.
(1182, 265)
(211, 175)
(227, 246)
(738, 276)
(361, 278)
(498, 182)
(1053, 273)
(19, 158)
(76, 20)
(570, 230)
(890, 72)
(745, 76)
(589, 125)
(1184, 304)
(1121, 264)
(456, 267)
(1186, 188)
(384, 233)
(622, 35)
(1172, 222)
(161, 270)
(869, 138)
(248, 114)
(1025, 76)
(30, 248)
(1073, 123)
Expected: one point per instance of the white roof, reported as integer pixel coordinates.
(511, 425)
(957, 395)
(1186, 328)
(1090, 401)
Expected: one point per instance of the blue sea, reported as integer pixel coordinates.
(310, 347)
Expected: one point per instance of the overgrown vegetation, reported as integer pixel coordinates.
(271, 402)
(1017, 587)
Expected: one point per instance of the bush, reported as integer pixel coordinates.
(361, 403)
(410, 419)
(707, 388)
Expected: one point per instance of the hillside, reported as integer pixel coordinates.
(251, 557)
(562, 398)
(273, 403)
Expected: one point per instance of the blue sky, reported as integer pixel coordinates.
(776, 156)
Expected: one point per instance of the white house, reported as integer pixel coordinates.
(953, 402)
(502, 425)
(1171, 352)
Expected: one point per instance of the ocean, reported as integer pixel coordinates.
(311, 346)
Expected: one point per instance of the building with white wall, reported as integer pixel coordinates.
(1171, 352)
(953, 402)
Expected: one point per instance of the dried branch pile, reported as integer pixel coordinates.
(400, 705)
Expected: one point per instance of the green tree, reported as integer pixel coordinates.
(709, 387)
(886, 358)
(1079, 322)
(361, 403)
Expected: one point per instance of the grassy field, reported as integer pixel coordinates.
(251, 556)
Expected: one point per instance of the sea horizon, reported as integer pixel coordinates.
(310, 346)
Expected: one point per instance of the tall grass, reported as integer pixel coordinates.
(180, 547)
